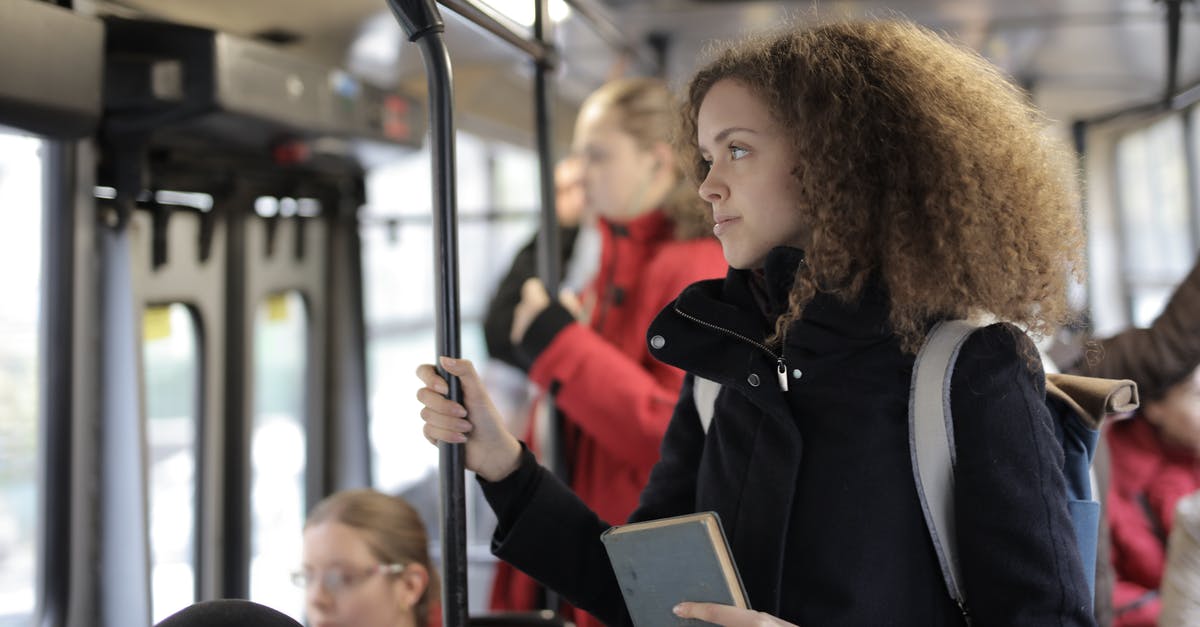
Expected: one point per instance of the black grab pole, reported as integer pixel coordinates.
(423, 24)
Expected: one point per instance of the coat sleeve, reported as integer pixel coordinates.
(1159, 356)
(622, 402)
(1139, 557)
(546, 531)
(497, 322)
(1016, 544)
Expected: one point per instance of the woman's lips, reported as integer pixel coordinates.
(723, 223)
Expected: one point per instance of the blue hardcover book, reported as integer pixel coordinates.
(660, 563)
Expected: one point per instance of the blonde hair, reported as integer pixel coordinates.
(391, 528)
(645, 110)
(918, 164)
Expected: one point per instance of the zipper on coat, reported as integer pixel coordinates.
(780, 364)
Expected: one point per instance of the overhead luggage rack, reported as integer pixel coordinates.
(50, 67)
(170, 78)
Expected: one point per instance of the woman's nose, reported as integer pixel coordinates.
(713, 188)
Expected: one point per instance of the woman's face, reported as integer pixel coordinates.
(749, 183)
(1177, 415)
(345, 588)
(621, 179)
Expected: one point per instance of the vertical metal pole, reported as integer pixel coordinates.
(1174, 16)
(548, 246)
(1192, 167)
(423, 24)
(56, 343)
(236, 550)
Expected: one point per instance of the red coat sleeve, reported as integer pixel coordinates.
(625, 402)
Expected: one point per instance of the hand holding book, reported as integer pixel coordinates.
(679, 566)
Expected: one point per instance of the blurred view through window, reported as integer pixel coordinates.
(171, 363)
(20, 261)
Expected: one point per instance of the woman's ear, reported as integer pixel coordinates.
(411, 584)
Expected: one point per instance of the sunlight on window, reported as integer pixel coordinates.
(20, 255)
(171, 365)
(522, 11)
(1154, 215)
(278, 450)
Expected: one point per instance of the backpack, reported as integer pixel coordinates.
(1079, 404)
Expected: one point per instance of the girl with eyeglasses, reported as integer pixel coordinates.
(366, 563)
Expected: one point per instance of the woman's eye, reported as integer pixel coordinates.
(737, 152)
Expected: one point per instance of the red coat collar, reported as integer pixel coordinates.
(652, 226)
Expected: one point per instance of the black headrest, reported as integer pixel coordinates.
(228, 613)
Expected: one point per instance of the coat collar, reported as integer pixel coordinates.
(648, 227)
(827, 324)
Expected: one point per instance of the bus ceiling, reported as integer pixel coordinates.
(1078, 59)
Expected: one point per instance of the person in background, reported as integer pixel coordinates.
(867, 180)
(1154, 462)
(1132, 459)
(613, 398)
(366, 563)
(575, 225)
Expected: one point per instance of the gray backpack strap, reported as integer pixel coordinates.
(931, 444)
(704, 393)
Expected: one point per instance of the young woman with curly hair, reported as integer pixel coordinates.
(867, 180)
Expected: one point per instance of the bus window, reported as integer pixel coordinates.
(498, 203)
(20, 248)
(398, 233)
(277, 450)
(1154, 215)
(171, 364)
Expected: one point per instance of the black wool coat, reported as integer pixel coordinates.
(814, 485)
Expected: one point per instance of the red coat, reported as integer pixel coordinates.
(615, 397)
(1147, 480)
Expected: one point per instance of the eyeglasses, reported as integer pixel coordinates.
(336, 580)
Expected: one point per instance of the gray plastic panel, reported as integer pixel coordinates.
(50, 69)
(245, 91)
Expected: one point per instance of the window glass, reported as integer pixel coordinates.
(171, 364)
(1156, 228)
(399, 295)
(277, 450)
(516, 179)
(20, 248)
(404, 186)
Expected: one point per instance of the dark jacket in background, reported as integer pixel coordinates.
(1158, 357)
(497, 322)
(814, 486)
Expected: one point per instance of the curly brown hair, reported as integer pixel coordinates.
(645, 109)
(918, 163)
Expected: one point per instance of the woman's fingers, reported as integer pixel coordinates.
(440, 404)
(437, 434)
(430, 377)
(464, 370)
(727, 615)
